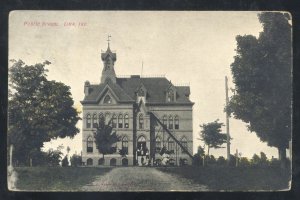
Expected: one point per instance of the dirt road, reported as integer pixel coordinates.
(141, 179)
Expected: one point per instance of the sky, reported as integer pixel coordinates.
(188, 47)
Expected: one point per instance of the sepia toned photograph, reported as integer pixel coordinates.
(102, 101)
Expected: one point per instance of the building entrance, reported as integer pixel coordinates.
(142, 151)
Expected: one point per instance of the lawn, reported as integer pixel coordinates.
(235, 179)
(56, 178)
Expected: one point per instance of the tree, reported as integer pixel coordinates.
(75, 160)
(255, 160)
(221, 161)
(262, 76)
(212, 136)
(65, 162)
(105, 137)
(40, 109)
(244, 162)
(263, 159)
(199, 156)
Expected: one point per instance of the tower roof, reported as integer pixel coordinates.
(108, 52)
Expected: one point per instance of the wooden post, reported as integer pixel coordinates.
(227, 121)
(10, 153)
(236, 158)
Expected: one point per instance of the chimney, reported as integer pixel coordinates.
(87, 88)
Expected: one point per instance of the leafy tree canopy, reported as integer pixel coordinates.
(211, 134)
(39, 109)
(262, 76)
(105, 137)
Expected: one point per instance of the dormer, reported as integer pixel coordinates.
(141, 93)
(171, 93)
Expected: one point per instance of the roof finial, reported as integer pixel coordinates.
(108, 40)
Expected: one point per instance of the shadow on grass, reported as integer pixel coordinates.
(56, 178)
(222, 178)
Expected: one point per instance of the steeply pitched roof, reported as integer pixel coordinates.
(96, 90)
(126, 88)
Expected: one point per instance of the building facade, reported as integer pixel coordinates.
(147, 113)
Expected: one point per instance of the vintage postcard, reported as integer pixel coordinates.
(149, 101)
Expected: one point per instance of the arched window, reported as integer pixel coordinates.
(165, 120)
(171, 97)
(184, 144)
(95, 125)
(107, 100)
(125, 144)
(120, 121)
(126, 121)
(124, 162)
(114, 121)
(171, 145)
(113, 162)
(88, 121)
(89, 144)
(89, 161)
(107, 118)
(141, 121)
(170, 122)
(157, 144)
(176, 122)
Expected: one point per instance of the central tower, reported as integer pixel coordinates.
(108, 58)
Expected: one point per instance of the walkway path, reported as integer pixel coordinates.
(141, 179)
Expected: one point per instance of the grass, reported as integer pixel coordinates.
(56, 178)
(235, 179)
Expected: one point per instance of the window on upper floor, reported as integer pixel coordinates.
(88, 121)
(114, 121)
(171, 145)
(165, 120)
(125, 144)
(176, 120)
(157, 144)
(170, 122)
(141, 92)
(107, 118)
(89, 145)
(126, 121)
(170, 95)
(95, 124)
(184, 144)
(101, 118)
(120, 121)
(141, 121)
(107, 100)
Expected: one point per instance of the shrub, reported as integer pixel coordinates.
(232, 161)
(221, 161)
(76, 160)
(49, 158)
(244, 162)
(65, 162)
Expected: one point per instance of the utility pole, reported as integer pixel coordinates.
(227, 121)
